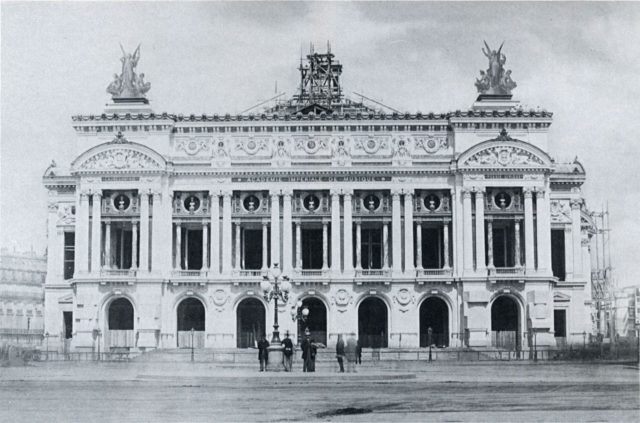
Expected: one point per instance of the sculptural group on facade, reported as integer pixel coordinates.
(495, 80)
(129, 84)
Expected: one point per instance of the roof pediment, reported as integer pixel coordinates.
(505, 153)
(119, 155)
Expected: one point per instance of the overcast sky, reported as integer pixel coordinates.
(579, 60)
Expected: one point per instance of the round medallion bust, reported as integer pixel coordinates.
(251, 203)
(371, 202)
(311, 202)
(502, 200)
(121, 202)
(432, 202)
(191, 203)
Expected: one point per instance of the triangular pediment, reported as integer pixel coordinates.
(559, 297)
(119, 155)
(504, 153)
(67, 299)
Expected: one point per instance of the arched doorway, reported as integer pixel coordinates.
(316, 321)
(434, 314)
(372, 323)
(120, 317)
(251, 317)
(505, 323)
(191, 315)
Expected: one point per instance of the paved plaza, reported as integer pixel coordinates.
(186, 392)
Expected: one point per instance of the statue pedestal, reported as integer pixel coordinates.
(128, 105)
(494, 102)
(276, 355)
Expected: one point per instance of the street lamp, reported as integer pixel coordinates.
(274, 289)
(299, 312)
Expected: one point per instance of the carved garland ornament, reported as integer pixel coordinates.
(370, 145)
(251, 146)
(404, 298)
(121, 158)
(219, 299)
(193, 146)
(431, 144)
(342, 299)
(504, 156)
(560, 212)
(311, 145)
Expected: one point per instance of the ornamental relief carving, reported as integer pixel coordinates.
(431, 144)
(504, 156)
(193, 146)
(66, 214)
(311, 144)
(219, 299)
(120, 159)
(371, 145)
(342, 299)
(560, 211)
(252, 146)
(404, 299)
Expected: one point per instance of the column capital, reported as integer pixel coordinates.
(96, 194)
(275, 195)
(214, 193)
(575, 204)
(540, 192)
(409, 193)
(396, 192)
(346, 191)
(528, 192)
(466, 193)
(335, 192)
(479, 191)
(227, 193)
(288, 192)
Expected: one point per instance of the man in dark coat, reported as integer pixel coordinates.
(340, 353)
(287, 351)
(308, 353)
(263, 353)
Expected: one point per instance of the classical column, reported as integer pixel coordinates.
(134, 245)
(467, 231)
(408, 233)
(214, 245)
(265, 246)
(96, 232)
(445, 247)
(178, 253)
(516, 244)
(237, 247)
(82, 236)
(480, 253)
(385, 245)
(325, 246)
(298, 246)
(568, 252)
(490, 244)
(107, 244)
(335, 231)
(419, 245)
(358, 246)
(396, 235)
(529, 260)
(347, 241)
(226, 233)
(576, 229)
(144, 232)
(205, 246)
(544, 232)
(275, 229)
(287, 241)
(158, 237)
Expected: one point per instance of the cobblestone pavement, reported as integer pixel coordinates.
(185, 392)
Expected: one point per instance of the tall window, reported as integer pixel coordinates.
(312, 248)
(503, 246)
(69, 254)
(371, 249)
(557, 254)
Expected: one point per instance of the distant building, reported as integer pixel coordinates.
(455, 228)
(22, 277)
(626, 311)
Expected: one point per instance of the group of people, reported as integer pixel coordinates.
(352, 352)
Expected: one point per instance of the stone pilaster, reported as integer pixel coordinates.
(396, 234)
(82, 236)
(96, 233)
(544, 232)
(325, 246)
(226, 233)
(287, 238)
(347, 241)
(275, 229)
(335, 232)
(419, 245)
(529, 260)
(408, 234)
(134, 244)
(576, 230)
(205, 246)
(144, 232)
(480, 246)
(214, 245)
(468, 231)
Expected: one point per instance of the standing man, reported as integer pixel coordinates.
(287, 352)
(263, 353)
(358, 352)
(340, 353)
(308, 354)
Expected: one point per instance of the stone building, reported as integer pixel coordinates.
(386, 224)
(22, 277)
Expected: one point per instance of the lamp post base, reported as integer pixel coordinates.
(276, 356)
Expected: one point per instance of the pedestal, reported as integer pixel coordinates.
(275, 363)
